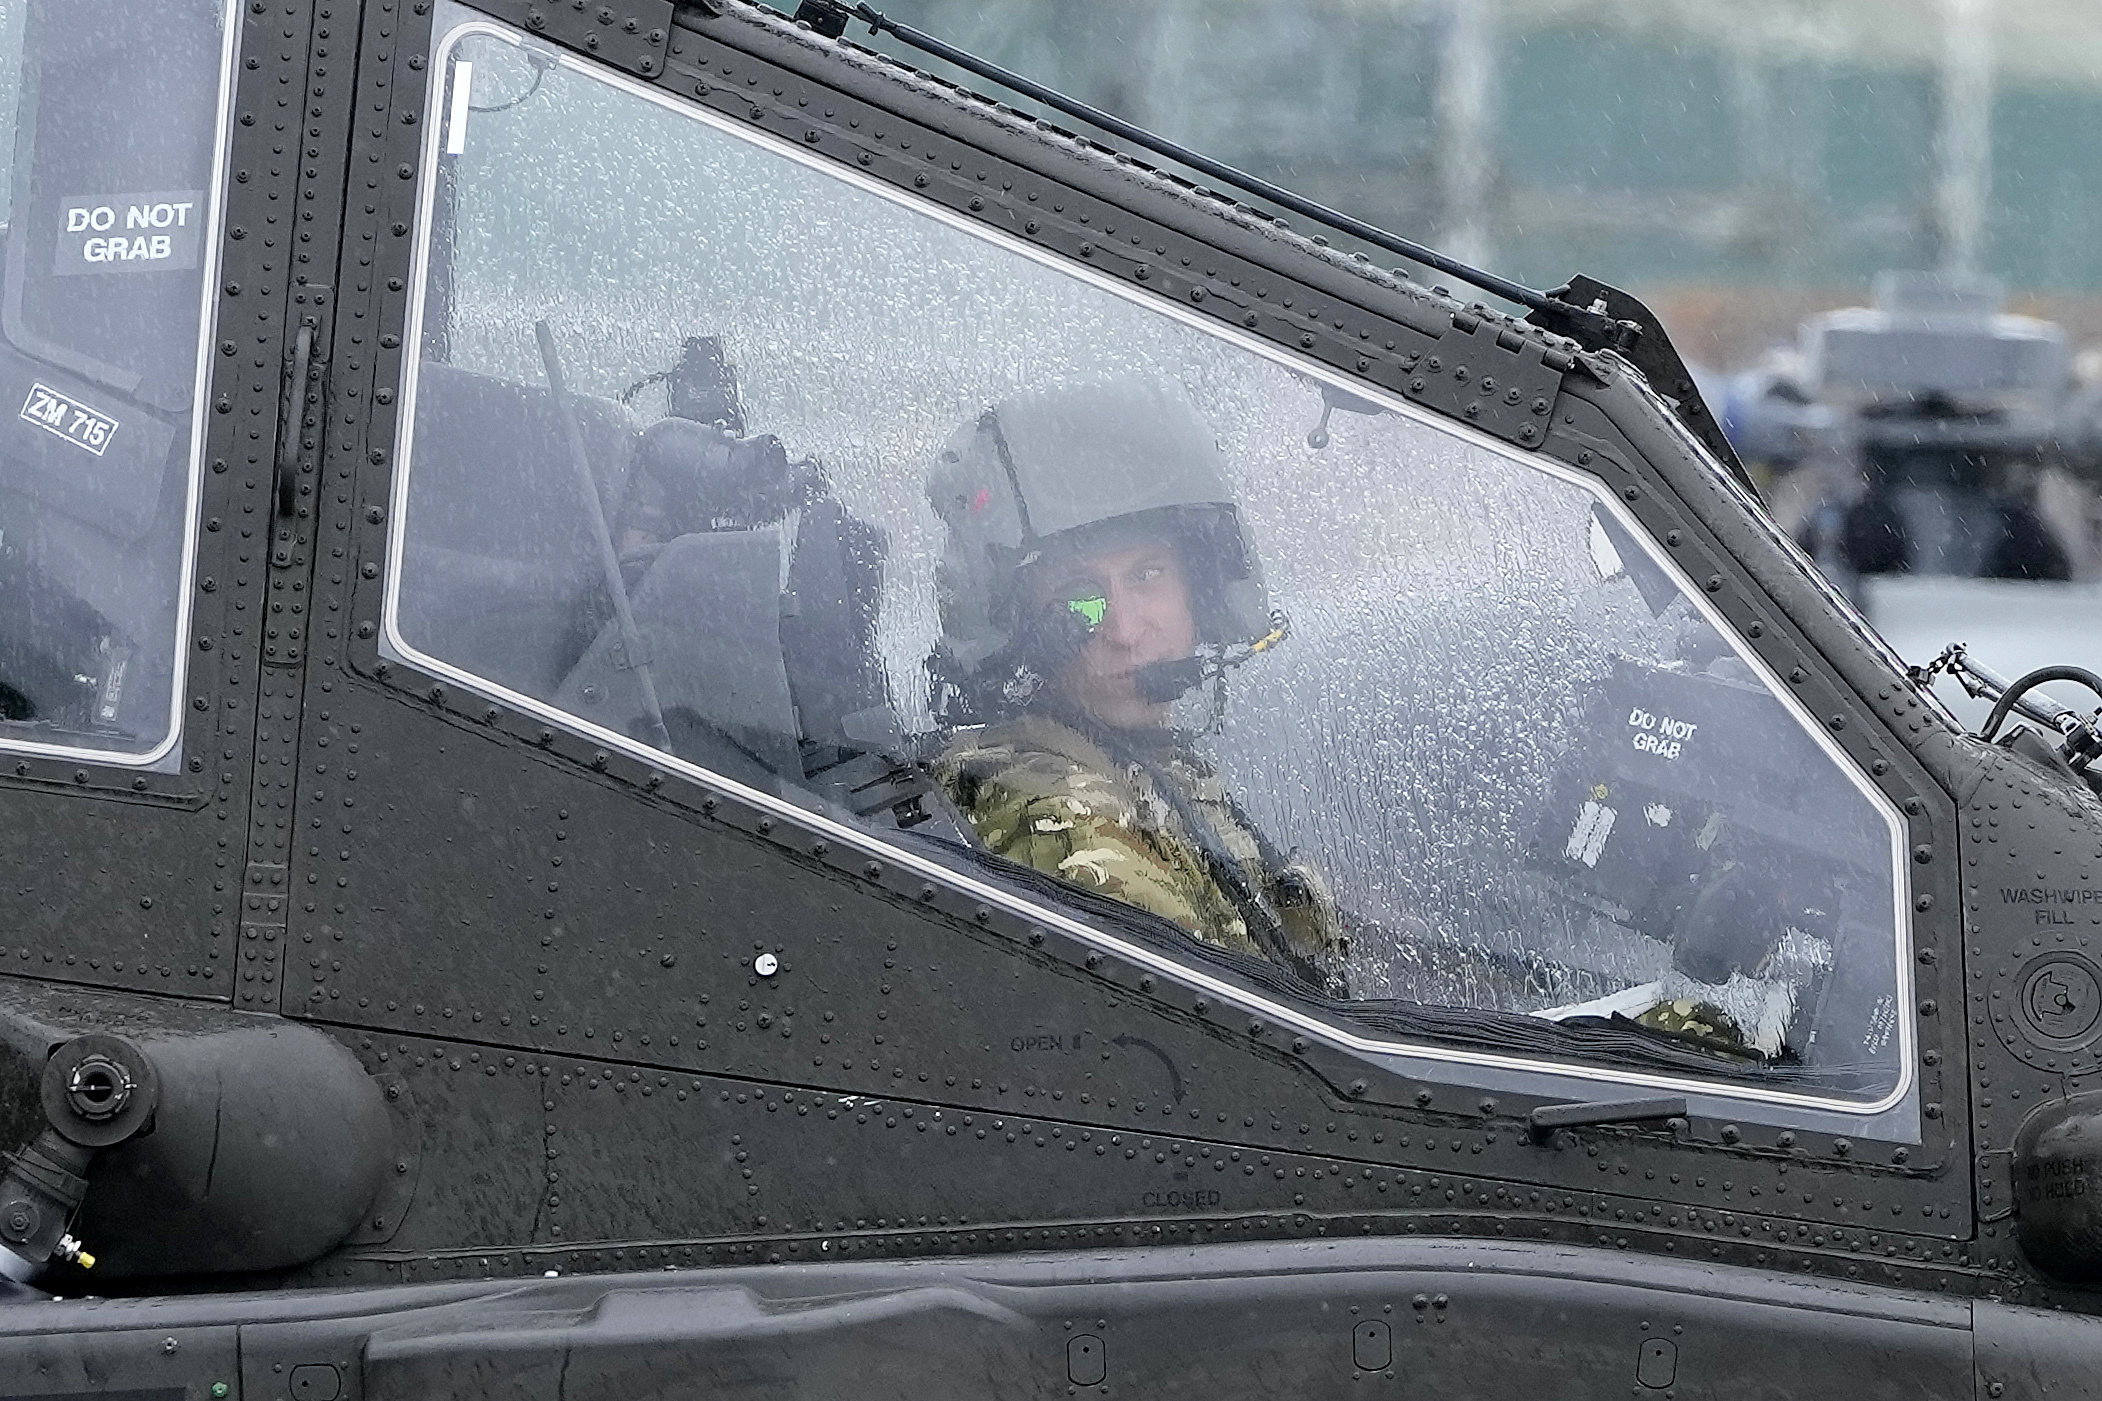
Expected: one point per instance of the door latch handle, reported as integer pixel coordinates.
(293, 422)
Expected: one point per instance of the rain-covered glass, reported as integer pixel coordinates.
(113, 118)
(723, 453)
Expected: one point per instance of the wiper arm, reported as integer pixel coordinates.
(1544, 1120)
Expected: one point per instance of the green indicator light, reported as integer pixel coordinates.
(218, 1389)
(1093, 610)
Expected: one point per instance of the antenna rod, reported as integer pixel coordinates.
(635, 654)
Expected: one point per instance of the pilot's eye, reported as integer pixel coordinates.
(1090, 610)
(1147, 573)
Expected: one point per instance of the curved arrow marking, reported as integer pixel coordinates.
(1174, 1075)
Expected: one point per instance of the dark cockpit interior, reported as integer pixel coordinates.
(106, 243)
(750, 592)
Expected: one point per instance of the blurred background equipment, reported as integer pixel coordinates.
(1917, 436)
(1928, 452)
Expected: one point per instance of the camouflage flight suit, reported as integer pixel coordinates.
(1041, 793)
(1703, 1021)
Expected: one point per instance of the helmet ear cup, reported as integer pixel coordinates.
(1226, 583)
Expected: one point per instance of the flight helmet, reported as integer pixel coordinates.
(1080, 468)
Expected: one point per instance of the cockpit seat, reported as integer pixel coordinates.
(854, 749)
(756, 621)
(708, 614)
(828, 628)
(501, 572)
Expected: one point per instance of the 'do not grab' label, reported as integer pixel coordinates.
(1660, 734)
(152, 232)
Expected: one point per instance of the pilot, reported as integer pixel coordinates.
(1095, 571)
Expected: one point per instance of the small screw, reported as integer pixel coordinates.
(766, 965)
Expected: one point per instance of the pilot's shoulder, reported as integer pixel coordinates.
(1032, 742)
(1036, 760)
(1691, 1017)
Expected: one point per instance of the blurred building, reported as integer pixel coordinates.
(1739, 162)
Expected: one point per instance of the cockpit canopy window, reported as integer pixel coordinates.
(723, 453)
(113, 117)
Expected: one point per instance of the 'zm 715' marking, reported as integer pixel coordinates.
(74, 421)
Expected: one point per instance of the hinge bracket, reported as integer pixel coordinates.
(630, 34)
(1493, 373)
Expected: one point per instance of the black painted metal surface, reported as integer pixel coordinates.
(542, 954)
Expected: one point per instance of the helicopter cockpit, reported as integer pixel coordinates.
(665, 484)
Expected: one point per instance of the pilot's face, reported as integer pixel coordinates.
(1138, 598)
